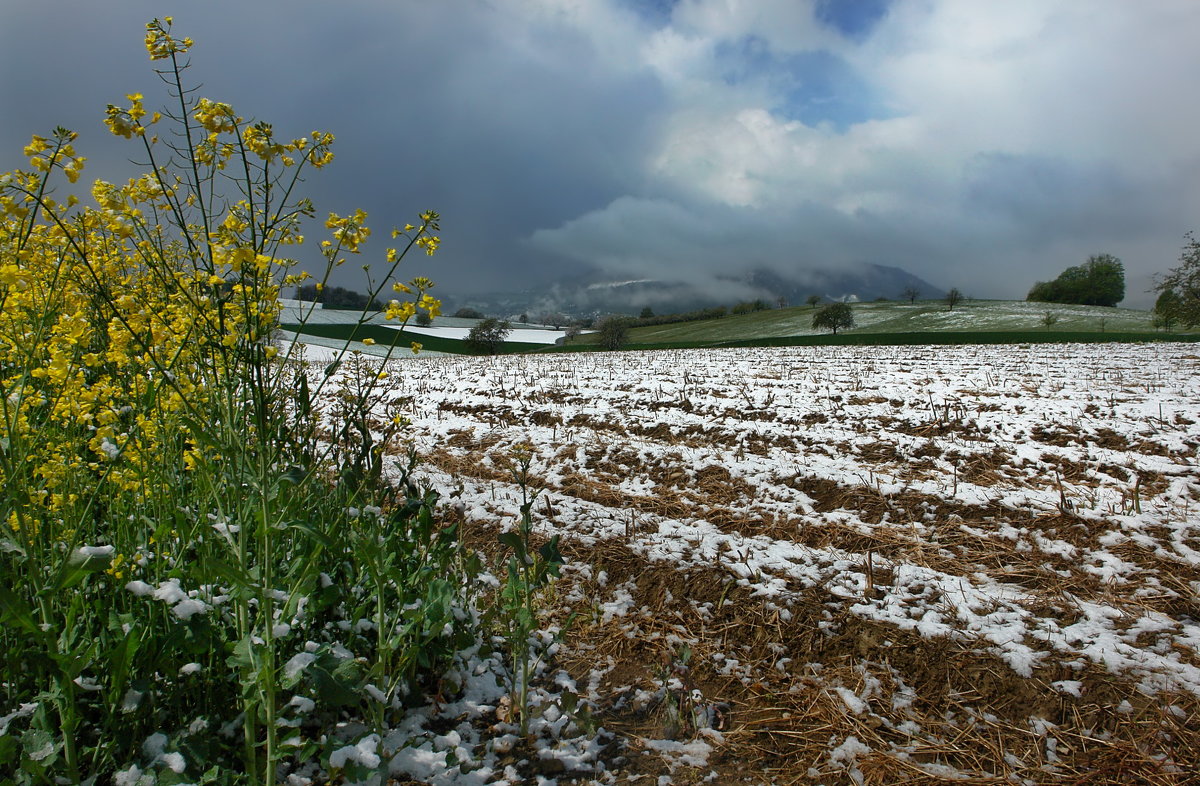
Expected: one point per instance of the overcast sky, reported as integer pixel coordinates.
(982, 145)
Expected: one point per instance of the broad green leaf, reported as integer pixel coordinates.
(39, 747)
(312, 532)
(8, 750)
(513, 541)
(227, 573)
(79, 566)
(15, 611)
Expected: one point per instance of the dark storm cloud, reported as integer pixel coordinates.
(446, 110)
(977, 145)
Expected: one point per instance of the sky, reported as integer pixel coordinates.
(981, 145)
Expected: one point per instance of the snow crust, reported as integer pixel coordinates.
(777, 417)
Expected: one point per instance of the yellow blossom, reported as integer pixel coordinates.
(402, 311)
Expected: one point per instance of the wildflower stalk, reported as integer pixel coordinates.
(528, 570)
(169, 499)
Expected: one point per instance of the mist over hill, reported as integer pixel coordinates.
(599, 293)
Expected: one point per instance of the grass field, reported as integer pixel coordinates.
(893, 317)
(879, 323)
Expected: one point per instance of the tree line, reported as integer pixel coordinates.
(1098, 282)
(337, 298)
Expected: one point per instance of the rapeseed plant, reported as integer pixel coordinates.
(185, 556)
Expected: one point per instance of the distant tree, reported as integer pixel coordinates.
(572, 331)
(337, 298)
(1184, 282)
(1043, 292)
(953, 298)
(613, 331)
(647, 313)
(487, 337)
(553, 319)
(781, 301)
(1167, 309)
(423, 319)
(523, 319)
(834, 316)
(910, 293)
(1048, 320)
(467, 313)
(750, 306)
(1098, 282)
(813, 300)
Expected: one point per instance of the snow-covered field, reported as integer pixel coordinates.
(848, 564)
(518, 335)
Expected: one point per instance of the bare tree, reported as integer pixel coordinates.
(553, 319)
(953, 298)
(911, 293)
(613, 332)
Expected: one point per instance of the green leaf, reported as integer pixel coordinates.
(313, 533)
(197, 432)
(8, 749)
(304, 397)
(293, 475)
(9, 547)
(514, 542)
(227, 573)
(171, 778)
(552, 555)
(78, 567)
(72, 664)
(39, 747)
(120, 657)
(15, 611)
(243, 654)
(338, 687)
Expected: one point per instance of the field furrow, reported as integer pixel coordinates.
(881, 563)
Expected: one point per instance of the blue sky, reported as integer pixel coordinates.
(851, 18)
(983, 145)
(814, 87)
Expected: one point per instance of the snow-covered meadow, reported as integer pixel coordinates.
(852, 564)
